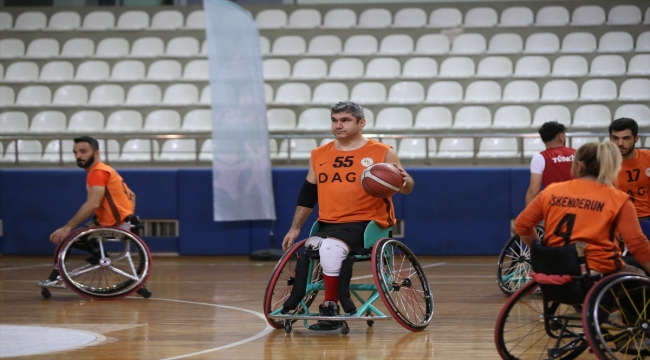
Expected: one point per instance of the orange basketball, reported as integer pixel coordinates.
(381, 180)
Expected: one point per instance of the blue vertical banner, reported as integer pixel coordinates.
(241, 166)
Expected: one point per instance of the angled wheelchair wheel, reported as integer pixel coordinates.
(527, 329)
(616, 317)
(104, 263)
(282, 280)
(514, 263)
(402, 284)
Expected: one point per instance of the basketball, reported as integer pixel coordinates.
(381, 180)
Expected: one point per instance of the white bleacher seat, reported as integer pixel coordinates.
(78, 48)
(325, 45)
(643, 42)
(204, 48)
(360, 45)
(289, 45)
(181, 94)
(6, 95)
(560, 91)
(178, 150)
(592, 116)
(432, 44)
(578, 141)
(275, 69)
(139, 150)
(420, 68)
(195, 20)
(481, 17)
(112, 48)
(483, 91)
(197, 120)
(512, 117)
(13, 122)
(610, 65)
(647, 142)
(2, 72)
(468, 44)
(588, 15)
(11, 48)
(457, 67)
(406, 92)
(453, 148)
(533, 146)
(107, 95)
(517, 16)
(281, 119)
(570, 66)
(368, 93)
(616, 41)
(144, 94)
(309, 69)
(57, 71)
(346, 68)
(635, 90)
(444, 92)
(598, 90)
(300, 149)
(93, 70)
(330, 93)
(494, 67)
(646, 17)
(34, 95)
(410, 18)
(128, 70)
(183, 46)
(22, 71)
(271, 19)
(166, 121)
(268, 93)
(206, 153)
(383, 68)
(505, 43)
(392, 142)
(6, 22)
(48, 121)
(445, 18)
(98, 20)
(265, 45)
(640, 113)
(164, 70)
(88, 121)
(433, 117)
(532, 66)
(28, 151)
(498, 147)
(624, 15)
(42, 48)
(30, 20)
(473, 117)
(579, 42)
(148, 47)
(167, 20)
(70, 95)
(340, 19)
(315, 119)
(639, 65)
(542, 43)
(396, 44)
(133, 20)
(546, 113)
(415, 148)
(124, 121)
(375, 18)
(57, 150)
(394, 118)
(65, 20)
(304, 19)
(370, 118)
(521, 91)
(293, 93)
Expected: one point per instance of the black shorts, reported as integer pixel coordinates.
(349, 233)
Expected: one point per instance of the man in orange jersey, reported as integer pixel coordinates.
(634, 178)
(109, 198)
(333, 180)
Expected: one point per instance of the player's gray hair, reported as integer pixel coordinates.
(349, 107)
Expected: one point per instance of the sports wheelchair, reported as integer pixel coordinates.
(574, 312)
(513, 267)
(399, 280)
(119, 263)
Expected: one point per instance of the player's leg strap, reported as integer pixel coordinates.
(299, 285)
(345, 276)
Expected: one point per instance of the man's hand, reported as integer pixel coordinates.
(405, 175)
(290, 239)
(59, 235)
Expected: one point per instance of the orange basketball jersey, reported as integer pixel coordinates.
(634, 179)
(116, 204)
(340, 196)
(582, 210)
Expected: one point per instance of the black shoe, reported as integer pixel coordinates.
(328, 308)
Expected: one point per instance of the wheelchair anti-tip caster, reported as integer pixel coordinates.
(144, 292)
(46, 293)
(345, 329)
(287, 326)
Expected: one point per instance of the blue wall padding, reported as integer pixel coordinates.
(519, 180)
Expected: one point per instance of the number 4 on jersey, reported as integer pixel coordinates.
(565, 227)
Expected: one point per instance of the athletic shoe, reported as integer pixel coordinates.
(328, 308)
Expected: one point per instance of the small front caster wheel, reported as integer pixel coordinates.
(345, 329)
(144, 292)
(46, 293)
(287, 327)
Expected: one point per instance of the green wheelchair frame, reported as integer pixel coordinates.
(385, 249)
